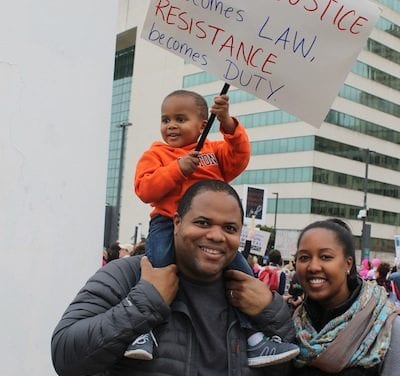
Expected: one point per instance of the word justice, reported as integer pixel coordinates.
(334, 12)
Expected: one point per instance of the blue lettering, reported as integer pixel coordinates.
(247, 79)
(155, 35)
(283, 40)
(301, 43)
(262, 29)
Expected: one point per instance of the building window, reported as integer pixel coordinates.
(362, 126)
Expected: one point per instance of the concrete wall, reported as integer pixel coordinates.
(56, 70)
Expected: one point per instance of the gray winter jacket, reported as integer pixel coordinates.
(108, 313)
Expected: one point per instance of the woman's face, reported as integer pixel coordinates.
(322, 267)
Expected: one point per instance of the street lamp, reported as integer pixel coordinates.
(121, 163)
(115, 226)
(362, 214)
(276, 213)
(113, 210)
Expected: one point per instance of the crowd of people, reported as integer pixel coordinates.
(186, 302)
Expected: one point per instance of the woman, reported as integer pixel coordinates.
(345, 326)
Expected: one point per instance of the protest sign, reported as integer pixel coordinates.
(294, 54)
(258, 243)
(254, 202)
(286, 242)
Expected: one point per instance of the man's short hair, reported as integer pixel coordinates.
(205, 186)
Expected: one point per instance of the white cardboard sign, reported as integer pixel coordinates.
(294, 54)
(258, 243)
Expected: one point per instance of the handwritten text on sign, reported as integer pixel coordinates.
(294, 54)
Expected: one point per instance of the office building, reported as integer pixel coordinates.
(313, 173)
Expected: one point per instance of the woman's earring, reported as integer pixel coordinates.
(348, 272)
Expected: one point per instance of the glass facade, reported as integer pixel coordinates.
(316, 175)
(323, 145)
(388, 27)
(383, 51)
(362, 126)
(377, 75)
(122, 87)
(330, 209)
(275, 175)
(339, 149)
(392, 4)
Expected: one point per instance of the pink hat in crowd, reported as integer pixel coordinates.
(375, 262)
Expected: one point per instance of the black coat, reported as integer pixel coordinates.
(108, 313)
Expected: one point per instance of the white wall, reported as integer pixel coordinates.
(56, 70)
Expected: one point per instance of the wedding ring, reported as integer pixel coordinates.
(231, 294)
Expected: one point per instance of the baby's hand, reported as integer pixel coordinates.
(189, 162)
(221, 110)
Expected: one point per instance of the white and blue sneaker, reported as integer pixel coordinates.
(141, 348)
(269, 351)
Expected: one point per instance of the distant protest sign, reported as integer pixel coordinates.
(294, 54)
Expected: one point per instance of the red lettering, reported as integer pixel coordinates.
(271, 59)
(241, 49)
(312, 9)
(159, 8)
(171, 15)
(337, 14)
(227, 44)
(326, 9)
(203, 33)
(253, 55)
(342, 18)
(217, 30)
(186, 25)
(356, 23)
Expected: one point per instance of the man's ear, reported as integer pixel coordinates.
(177, 220)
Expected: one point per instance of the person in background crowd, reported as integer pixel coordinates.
(394, 278)
(140, 248)
(125, 250)
(272, 274)
(365, 268)
(105, 256)
(395, 267)
(346, 326)
(188, 306)
(374, 265)
(381, 274)
(253, 262)
(111, 253)
(289, 271)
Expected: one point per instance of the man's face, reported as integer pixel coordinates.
(207, 236)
